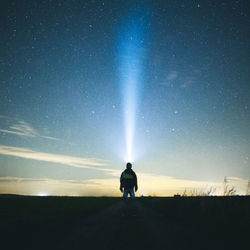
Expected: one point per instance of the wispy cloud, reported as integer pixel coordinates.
(170, 78)
(238, 183)
(77, 162)
(149, 184)
(40, 156)
(167, 185)
(172, 75)
(22, 128)
(46, 186)
(18, 179)
(182, 81)
(187, 81)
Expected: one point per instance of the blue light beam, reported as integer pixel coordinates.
(131, 65)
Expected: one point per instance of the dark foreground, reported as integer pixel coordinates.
(111, 223)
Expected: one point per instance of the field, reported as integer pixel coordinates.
(29, 222)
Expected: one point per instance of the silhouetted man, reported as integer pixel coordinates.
(128, 182)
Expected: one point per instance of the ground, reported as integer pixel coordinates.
(142, 223)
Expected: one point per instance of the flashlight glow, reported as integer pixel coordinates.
(130, 116)
(131, 62)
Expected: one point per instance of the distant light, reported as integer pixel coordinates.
(42, 194)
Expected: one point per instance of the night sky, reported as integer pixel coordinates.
(64, 70)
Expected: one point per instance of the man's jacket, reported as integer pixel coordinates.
(128, 179)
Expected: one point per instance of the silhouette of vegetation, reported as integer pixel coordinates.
(248, 188)
(199, 192)
(228, 190)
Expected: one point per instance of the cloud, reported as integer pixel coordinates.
(30, 186)
(172, 75)
(238, 183)
(22, 128)
(77, 162)
(187, 81)
(54, 158)
(184, 81)
(236, 179)
(163, 185)
(19, 179)
(170, 78)
(149, 184)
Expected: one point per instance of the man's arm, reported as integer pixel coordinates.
(136, 187)
(121, 187)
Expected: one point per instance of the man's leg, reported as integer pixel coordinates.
(132, 193)
(125, 193)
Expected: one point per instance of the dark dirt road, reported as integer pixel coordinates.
(125, 225)
(133, 225)
(178, 224)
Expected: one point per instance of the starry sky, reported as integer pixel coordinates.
(64, 96)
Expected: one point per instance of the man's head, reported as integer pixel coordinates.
(129, 165)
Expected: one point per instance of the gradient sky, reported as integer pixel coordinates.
(63, 95)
